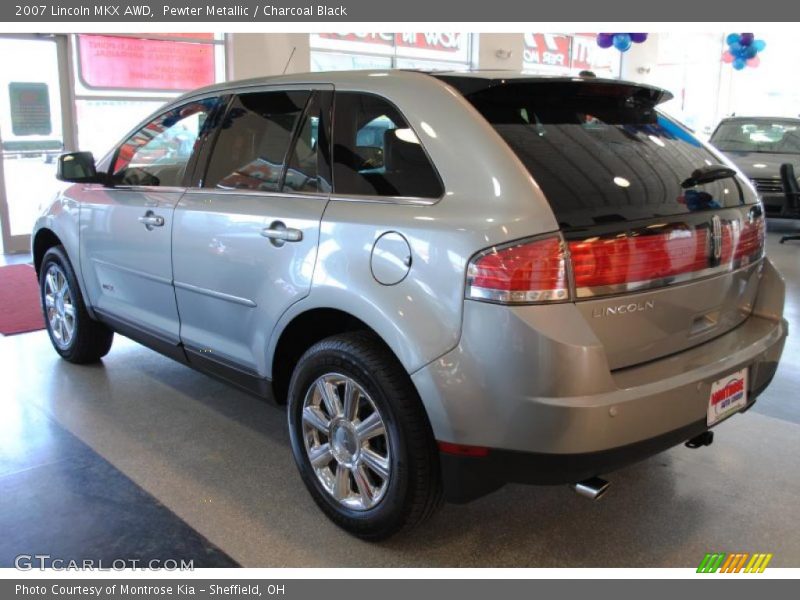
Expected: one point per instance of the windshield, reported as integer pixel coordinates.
(758, 135)
(603, 153)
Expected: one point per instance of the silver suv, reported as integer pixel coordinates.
(453, 281)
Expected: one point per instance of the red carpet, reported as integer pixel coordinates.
(20, 310)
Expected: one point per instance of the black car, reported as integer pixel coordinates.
(759, 146)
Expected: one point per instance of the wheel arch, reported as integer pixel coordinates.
(302, 331)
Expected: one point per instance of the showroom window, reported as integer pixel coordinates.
(568, 54)
(376, 153)
(120, 79)
(426, 51)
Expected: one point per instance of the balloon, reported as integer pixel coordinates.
(622, 41)
(736, 48)
(739, 64)
(605, 40)
(750, 52)
(746, 39)
(732, 38)
(754, 62)
(759, 45)
(638, 38)
(727, 57)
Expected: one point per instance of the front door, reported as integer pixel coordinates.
(126, 226)
(245, 240)
(33, 131)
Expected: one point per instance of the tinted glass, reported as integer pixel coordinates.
(308, 164)
(157, 154)
(758, 135)
(376, 153)
(602, 152)
(253, 141)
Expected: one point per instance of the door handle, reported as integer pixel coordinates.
(279, 234)
(150, 220)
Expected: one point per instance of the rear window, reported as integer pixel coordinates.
(601, 152)
(758, 135)
(376, 153)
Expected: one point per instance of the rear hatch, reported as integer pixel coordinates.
(660, 243)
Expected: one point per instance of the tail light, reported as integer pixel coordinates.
(521, 273)
(543, 270)
(751, 242)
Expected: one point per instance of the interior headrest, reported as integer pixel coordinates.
(402, 150)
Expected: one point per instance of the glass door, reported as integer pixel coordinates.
(32, 130)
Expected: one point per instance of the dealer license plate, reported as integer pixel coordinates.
(728, 396)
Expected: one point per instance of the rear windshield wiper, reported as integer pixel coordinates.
(707, 174)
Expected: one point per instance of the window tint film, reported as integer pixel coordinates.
(253, 141)
(308, 164)
(157, 154)
(603, 153)
(376, 153)
(758, 135)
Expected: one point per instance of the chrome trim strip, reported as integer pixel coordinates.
(142, 274)
(403, 200)
(214, 294)
(412, 200)
(260, 193)
(623, 288)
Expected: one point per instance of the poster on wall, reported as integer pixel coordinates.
(30, 108)
(567, 54)
(433, 45)
(126, 63)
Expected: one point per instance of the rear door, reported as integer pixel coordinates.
(665, 241)
(126, 251)
(245, 237)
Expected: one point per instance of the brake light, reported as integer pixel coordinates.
(630, 259)
(538, 270)
(751, 242)
(524, 272)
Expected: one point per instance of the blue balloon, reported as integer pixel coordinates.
(759, 45)
(750, 51)
(736, 48)
(733, 38)
(622, 41)
(739, 64)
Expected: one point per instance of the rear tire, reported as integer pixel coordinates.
(375, 464)
(74, 334)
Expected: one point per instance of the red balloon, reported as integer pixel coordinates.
(727, 57)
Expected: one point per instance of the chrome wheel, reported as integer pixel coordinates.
(346, 441)
(59, 306)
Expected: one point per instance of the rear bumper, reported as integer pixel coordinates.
(466, 478)
(542, 399)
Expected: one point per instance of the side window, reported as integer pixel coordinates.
(254, 139)
(157, 154)
(376, 153)
(308, 164)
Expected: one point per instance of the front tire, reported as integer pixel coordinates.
(361, 438)
(74, 334)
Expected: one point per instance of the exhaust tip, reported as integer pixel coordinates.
(592, 488)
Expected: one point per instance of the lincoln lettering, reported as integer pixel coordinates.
(622, 309)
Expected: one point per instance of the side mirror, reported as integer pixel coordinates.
(77, 167)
